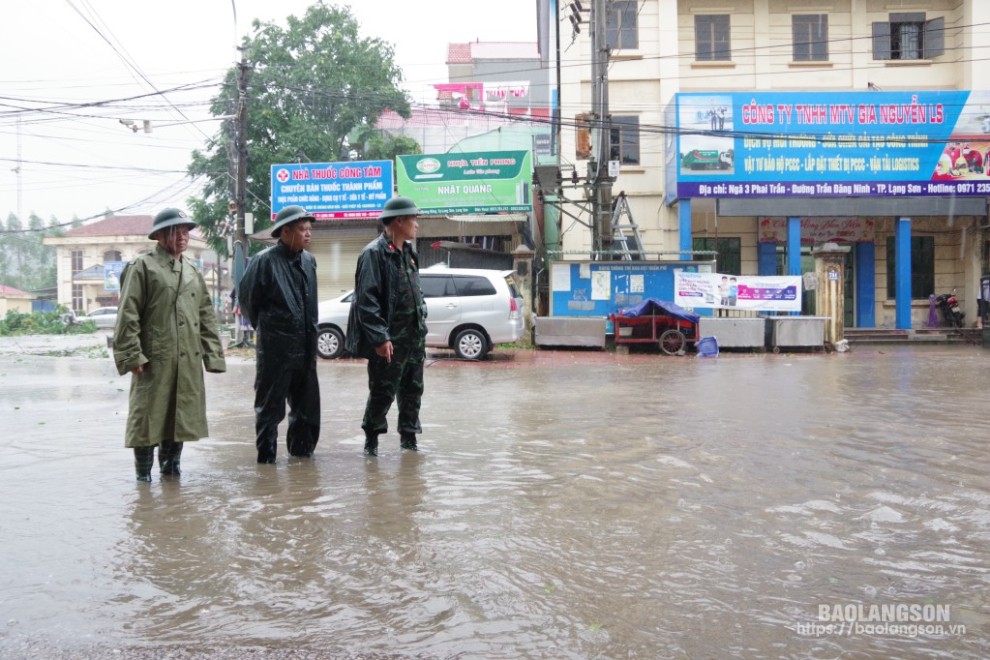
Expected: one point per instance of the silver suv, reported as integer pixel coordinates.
(471, 310)
(468, 309)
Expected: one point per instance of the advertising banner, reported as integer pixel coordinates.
(487, 95)
(832, 144)
(467, 182)
(111, 275)
(718, 291)
(349, 189)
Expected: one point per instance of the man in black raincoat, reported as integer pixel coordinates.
(387, 325)
(278, 295)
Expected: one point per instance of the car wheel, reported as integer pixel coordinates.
(470, 344)
(330, 343)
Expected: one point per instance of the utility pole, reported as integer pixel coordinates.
(598, 175)
(239, 251)
(240, 178)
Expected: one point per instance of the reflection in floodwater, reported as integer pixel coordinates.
(585, 505)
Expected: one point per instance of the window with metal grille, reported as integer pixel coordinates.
(77, 298)
(77, 261)
(728, 259)
(810, 33)
(922, 267)
(909, 36)
(711, 38)
(620, 29)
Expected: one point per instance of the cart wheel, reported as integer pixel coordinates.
(672, 342)
(776, 349)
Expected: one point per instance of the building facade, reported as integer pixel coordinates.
(660, 51)
(89, 257)
(14, 300)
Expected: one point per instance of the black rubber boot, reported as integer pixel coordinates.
(267, 451)
(168, 457)
(370, 445)
(408, 441)
(144, 459)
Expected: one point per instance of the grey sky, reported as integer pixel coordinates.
(71, 51)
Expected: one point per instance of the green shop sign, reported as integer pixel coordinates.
(468, 182)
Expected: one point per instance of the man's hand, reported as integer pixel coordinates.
(138, 370)
(385, 351)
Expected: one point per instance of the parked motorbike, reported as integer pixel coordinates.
(948, 304)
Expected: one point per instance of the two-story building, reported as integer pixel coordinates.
(90, 258)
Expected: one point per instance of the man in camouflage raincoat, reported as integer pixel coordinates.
(387, 325)
(166, 333)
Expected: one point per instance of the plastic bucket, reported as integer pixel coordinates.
(707, 347)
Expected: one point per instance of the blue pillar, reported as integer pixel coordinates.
(902, 273)
(684, 227)
(766, 258)
(794, 251)
(793, 246)
(866, 285)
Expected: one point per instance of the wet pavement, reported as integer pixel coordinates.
(565, 504)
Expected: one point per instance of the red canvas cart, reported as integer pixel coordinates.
(664, 324)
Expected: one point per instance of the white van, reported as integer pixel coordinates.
(468, 309)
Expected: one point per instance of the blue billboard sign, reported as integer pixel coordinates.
(831, 144)
(345, 190)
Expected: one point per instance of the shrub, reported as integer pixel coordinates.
(42, 323)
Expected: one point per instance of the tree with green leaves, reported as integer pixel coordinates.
(310, 85)
(25, 262)
(377, 144)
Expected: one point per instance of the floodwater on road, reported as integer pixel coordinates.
(565, 504)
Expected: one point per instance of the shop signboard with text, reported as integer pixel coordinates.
(831, 144)
(344, 190)
(467, 182)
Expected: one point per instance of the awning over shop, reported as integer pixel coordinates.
(91, 274)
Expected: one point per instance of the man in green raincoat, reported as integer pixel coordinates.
(166, 333)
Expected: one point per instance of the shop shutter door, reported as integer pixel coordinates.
(336, 251)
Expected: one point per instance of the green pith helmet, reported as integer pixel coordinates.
(288, 215)
(398, 206)
(170, 218)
